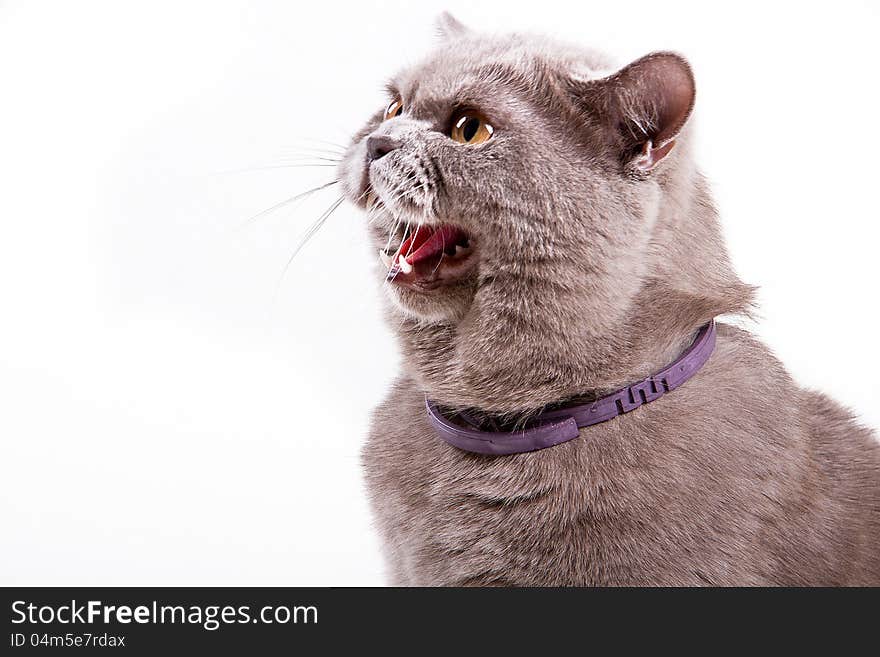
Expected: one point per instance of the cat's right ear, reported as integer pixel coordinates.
(449, 27)
(646, 104)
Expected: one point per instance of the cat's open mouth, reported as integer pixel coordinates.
(430, 256)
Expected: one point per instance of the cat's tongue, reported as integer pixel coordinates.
(426, 243)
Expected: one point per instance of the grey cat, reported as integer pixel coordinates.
(579, 252)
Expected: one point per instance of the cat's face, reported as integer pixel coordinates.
(504, 157)
(513, 188)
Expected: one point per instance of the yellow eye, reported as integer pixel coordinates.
(394, 109)
(471, 128)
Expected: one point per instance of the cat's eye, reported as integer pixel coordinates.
(393, 109)
(470, 128)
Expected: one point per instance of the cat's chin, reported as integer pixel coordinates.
(438, 301)
(440, 291)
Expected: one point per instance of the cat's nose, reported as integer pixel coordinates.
(380, 145)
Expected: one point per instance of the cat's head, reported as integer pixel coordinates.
(513, 188)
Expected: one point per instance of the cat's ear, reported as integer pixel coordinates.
(647, 103)
(449, 27)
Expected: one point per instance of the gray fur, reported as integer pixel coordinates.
(591, 274)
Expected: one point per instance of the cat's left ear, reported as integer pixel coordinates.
(449, 27)
(646, 103)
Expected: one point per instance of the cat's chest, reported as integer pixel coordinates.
(449, 515)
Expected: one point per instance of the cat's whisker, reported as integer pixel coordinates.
(288, 201)
(363, 195)
(311, 156)
(312, 230)
(380, 206)
(280, 166)
(442, 255)
(392, 233)
(397, 225)
(374, 207)
(415, 234)
(307, 236)
(284, 165)
(332, 144)
(396, 256)
(376, 211)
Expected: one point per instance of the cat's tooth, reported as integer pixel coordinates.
(385, 258)
(405, 267)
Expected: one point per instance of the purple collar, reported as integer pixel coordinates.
(561, 425)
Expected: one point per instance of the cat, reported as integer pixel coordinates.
(544, 237)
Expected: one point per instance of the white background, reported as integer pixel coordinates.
(175, 409)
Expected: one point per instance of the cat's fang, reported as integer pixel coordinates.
(385, 258)
(405, 267)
